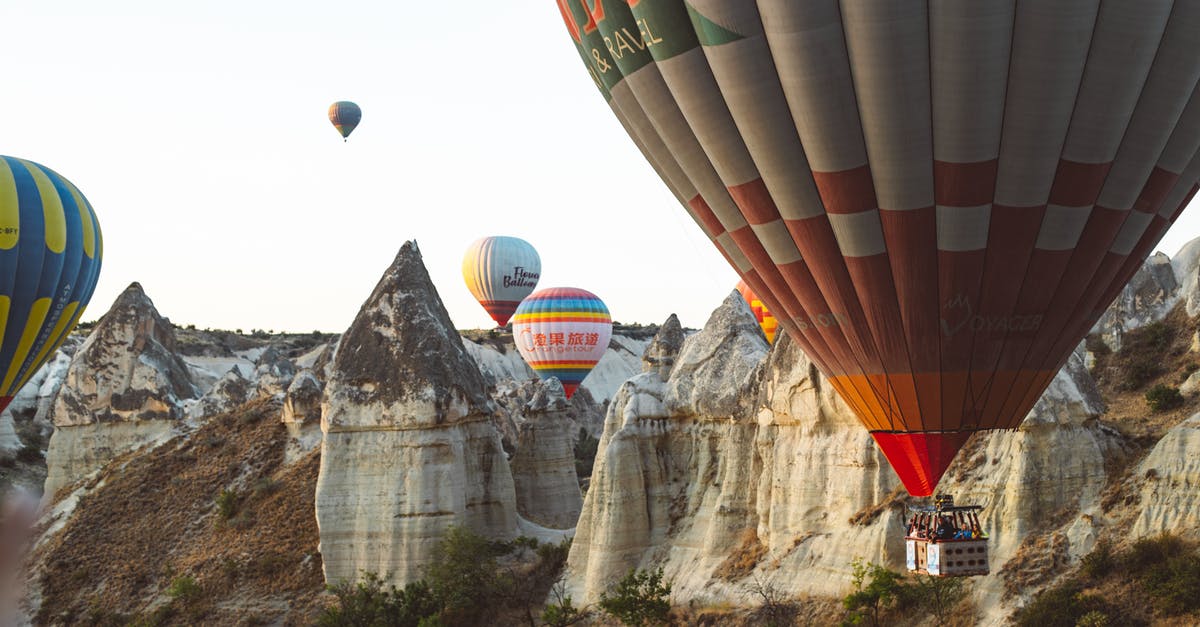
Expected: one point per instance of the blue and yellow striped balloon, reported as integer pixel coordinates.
(50, 251)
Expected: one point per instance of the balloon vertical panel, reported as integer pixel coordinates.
(50, 251)
(937, 198)
(501, 271)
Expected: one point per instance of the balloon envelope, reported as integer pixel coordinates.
(50, 251)
(345, 116)
(500, 272)
(761, 313)
(562, 332)
(937, 200)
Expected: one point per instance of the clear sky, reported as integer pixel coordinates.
(198, 132)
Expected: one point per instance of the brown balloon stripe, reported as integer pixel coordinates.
(964, 184)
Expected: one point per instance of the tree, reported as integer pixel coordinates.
(640, 598)
(937, 594)
(560, 612)
(464, 575)
(370, 603)
(870, 601)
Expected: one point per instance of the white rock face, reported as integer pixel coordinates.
(302, 415)
(1186, 265)
(736, 446)
(409, 448)
(125, 372)
(228, 392)
(543, 467)
(1170, 474)
(1148, 297)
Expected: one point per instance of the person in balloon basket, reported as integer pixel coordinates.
(945, 529)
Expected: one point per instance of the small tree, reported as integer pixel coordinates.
(870, 601)
(561, 612)
(640, 598)
(369, 602)
(464, 575)
(938, 595)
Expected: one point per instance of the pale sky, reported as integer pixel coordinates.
(198, 131)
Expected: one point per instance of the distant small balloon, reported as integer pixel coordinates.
(500, 272)
(345, 116)
(562, 332)
(50, 251)
(761, 313)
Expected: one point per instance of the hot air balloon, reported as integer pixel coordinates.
(50, 250)
(761, 313)
(345, 116)
(562, 332)
(936, 199)
(500, 272)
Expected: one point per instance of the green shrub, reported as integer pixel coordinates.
(1140, 371)
(1063, 606)
(227, 505)
(184, 589)
(1147, 553)
(1100, 562)
(1163, 398)
(369, 602)
(1094, 618)
(1175, 584)
(640, 598)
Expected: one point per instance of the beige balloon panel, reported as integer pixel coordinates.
(839, 98)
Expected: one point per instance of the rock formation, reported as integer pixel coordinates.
(228, 392)
(125, 388)
(737, 453)
(302, 415)
(543, 467)
(660, 354)
(409, 446)
(1170, 474)
(273, 373)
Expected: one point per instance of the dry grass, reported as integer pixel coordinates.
(152, 522)
(744, 558)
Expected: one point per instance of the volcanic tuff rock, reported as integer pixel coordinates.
(125, 388)
(409, 446)
(664, 348)
(543, 467)
(1170, 474)
(1148, 297)
(1186, 264)
(273, 373)
(228, 392)
(734, 454)
(302, 415)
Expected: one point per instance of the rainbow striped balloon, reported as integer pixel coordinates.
(562, 332)
(761, 313)
(50, 250)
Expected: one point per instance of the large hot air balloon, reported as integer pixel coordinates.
(50, 250)
(937, 199)
(562, 332)
(345, 116)
(500, 272)
(761, 313)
